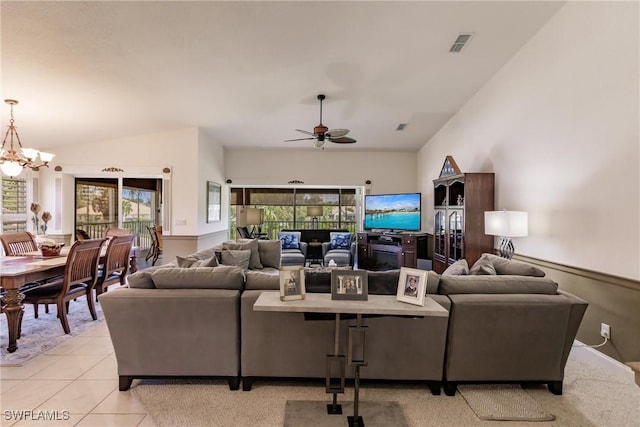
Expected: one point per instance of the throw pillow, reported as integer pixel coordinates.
(483, 267)
(340, 240)
(510, 267)
(458, 268)
(270, 252)
(290, 240)
(189, 262)
(252, 245)
(238, 257)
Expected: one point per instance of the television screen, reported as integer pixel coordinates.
(392, 212)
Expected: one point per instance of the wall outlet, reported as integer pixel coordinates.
(605, 331)
(181, 222)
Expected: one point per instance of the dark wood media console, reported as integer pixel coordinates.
(388, 251)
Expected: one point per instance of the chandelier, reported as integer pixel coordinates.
(12, 161)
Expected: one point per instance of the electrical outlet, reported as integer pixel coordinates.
(605, 331)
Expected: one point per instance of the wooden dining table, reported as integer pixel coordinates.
(15, 272)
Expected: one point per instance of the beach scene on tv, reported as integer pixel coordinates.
(392, 212)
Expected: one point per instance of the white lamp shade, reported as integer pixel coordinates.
(254, 216)
(11, 168)
(46, 157)
(506, 223)
(30, 153)
(314, 210)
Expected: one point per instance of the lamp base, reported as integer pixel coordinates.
(506, 247)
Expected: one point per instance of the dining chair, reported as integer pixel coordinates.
(111, 232)
(116, 264)
(156, 245)
(80, 276)
(18, 243)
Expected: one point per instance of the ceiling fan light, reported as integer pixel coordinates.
(318, 143)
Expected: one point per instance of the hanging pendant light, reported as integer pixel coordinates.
(14, 159)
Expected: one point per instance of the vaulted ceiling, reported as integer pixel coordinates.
(248, 73)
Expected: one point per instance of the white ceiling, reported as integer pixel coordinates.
(248, 72)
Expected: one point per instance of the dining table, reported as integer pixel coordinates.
(15, 272)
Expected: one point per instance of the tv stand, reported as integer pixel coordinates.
(390, 250)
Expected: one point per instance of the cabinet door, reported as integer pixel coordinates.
(409, 252)
(439, 233)
(456, 243)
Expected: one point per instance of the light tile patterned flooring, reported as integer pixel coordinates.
(80, 377)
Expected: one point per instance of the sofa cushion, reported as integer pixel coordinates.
(483, 267)
(265, 279)
(270, 252)
(238, 257)
(512, 267)
(222, 277)
(252, 245)
(289, 239)
(458, 268)
(141, 279)
(340, 240)
(383, 282)
(317, 280)
(450, 285)
(189, 262)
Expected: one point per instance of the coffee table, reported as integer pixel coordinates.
(322, 303)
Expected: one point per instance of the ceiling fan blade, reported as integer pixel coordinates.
(304, 131)
(299, 139)
(337, 133)
(343, 140)
(318, 144)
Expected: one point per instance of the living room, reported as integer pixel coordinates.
(557, 123)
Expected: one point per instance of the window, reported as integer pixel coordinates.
(287, 207)
(14, 205)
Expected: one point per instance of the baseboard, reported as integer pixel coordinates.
(600, 359)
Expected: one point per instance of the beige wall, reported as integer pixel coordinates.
(559, 127)
(389, 172)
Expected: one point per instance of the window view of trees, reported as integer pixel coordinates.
(287, 208)
(14, 205)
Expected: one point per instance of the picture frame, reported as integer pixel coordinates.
(213, 201)
(412, 285)
(292, 283)
(349, 285)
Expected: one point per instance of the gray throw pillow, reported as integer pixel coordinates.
(239, 257)
(483, 267)
(458, 268)
(189, 262)
(252, 245)
(270, 252)
(141, 280)
(511, 267)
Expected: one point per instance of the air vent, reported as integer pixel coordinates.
(401, 126)
(460, 42)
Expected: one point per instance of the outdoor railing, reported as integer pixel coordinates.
(96, 230)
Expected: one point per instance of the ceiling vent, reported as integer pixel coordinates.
(460, 42)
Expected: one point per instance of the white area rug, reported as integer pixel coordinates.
(503, 402)
(44, 333)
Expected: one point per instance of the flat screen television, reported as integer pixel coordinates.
(393, 212)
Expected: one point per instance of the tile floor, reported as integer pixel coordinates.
(79, 377)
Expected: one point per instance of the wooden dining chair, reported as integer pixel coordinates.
(156, 245)
(111, 232)
(80, 276)
(18, 243)
(116, 263)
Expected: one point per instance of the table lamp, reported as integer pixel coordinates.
(254, 216)
(506, 224)
(315, 212)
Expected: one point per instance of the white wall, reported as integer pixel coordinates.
(389, 172)
(142, 155)
(211, 168)
(559, 127)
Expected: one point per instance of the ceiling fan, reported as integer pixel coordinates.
(322, 134)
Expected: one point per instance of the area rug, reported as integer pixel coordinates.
(503, 402)
(314, 414)
(44, 333)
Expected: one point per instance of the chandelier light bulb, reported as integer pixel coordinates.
(11, 169)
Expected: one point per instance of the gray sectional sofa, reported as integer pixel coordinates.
(199, 321)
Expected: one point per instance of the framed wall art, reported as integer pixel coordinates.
(412, 285)
(349, 285)
(213, 201)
